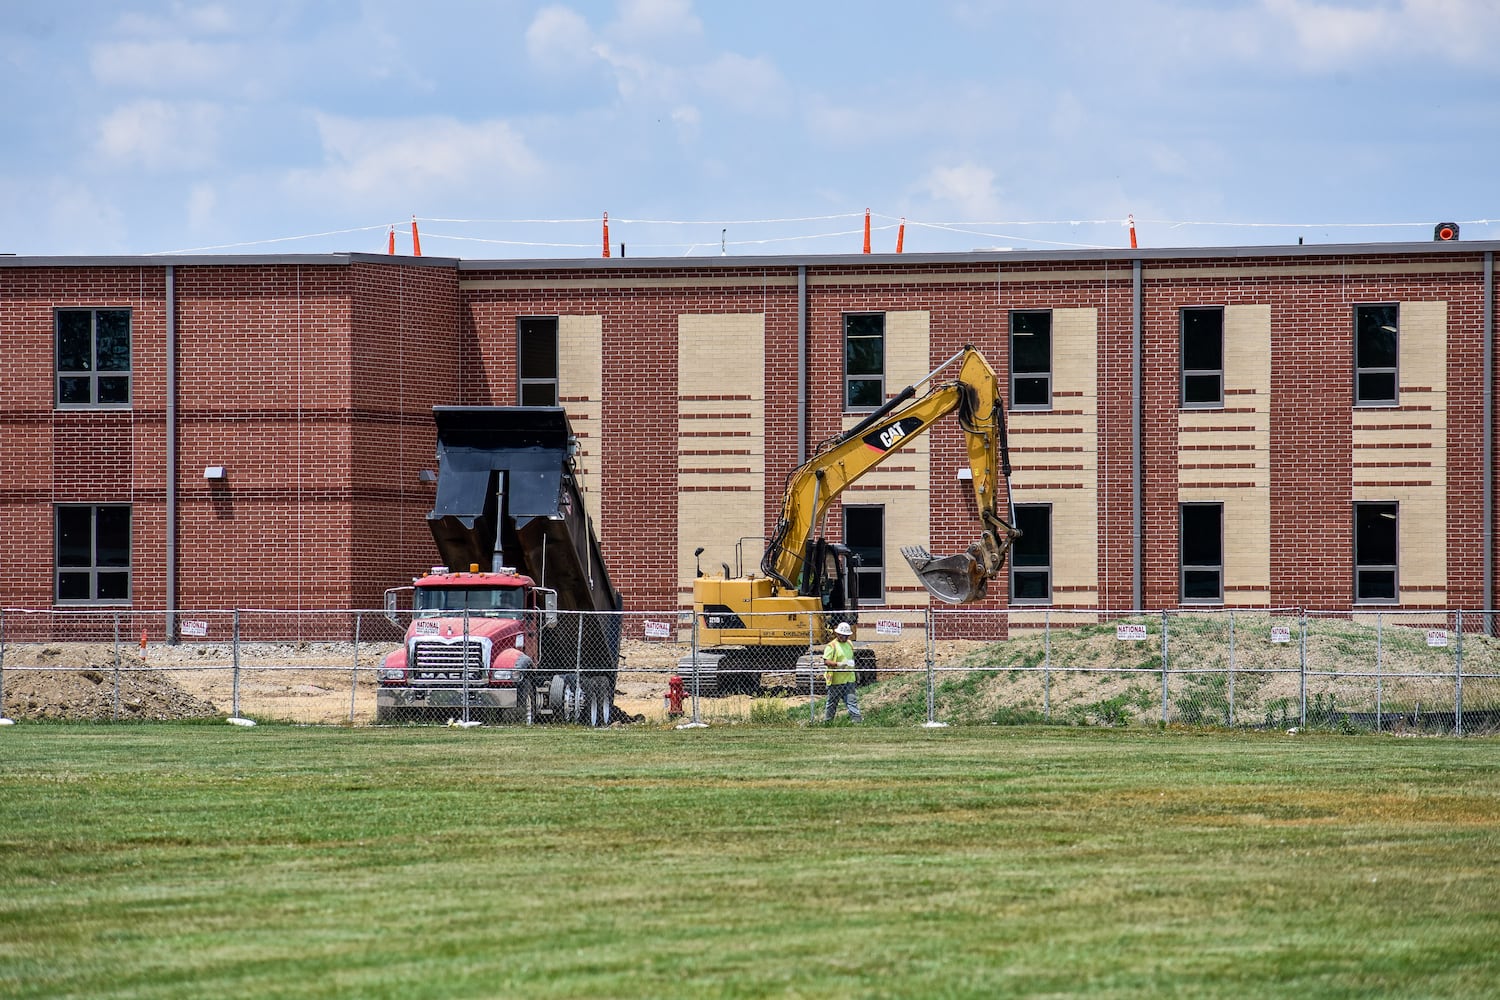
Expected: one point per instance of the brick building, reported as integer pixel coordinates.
(1250, 427)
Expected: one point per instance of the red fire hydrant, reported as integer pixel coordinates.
(673, 699)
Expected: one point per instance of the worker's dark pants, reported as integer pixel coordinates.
(846, 694)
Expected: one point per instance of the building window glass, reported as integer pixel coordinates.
(1031, 359)
(864, 360)
(1031, 555)
(1375, 552)
(1376, 347)
(536, 360)
(1203, 357)
(864, 533)
(93, 554)
(1202, 552)
(93, 358)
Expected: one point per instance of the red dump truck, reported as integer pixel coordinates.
(522, 624)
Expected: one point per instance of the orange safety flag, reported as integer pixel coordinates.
(606, 234)
(1131, 220)
(416, 241)
(390, 242)
(867, 230)
(901, 234)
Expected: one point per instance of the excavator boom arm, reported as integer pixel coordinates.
(974, 396)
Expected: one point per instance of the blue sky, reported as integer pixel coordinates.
(305, 126)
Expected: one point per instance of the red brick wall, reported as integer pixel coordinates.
(313, 385)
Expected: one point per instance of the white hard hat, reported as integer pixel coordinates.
(843, 629)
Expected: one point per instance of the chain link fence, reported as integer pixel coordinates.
(1284, 668)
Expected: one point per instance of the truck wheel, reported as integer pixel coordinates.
(526, 701)
(598, 701)
(565, 698)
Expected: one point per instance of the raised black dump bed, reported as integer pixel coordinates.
(508, 495)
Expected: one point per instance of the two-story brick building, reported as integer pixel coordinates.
(1253, 426)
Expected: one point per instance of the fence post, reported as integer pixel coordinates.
(354, 672)
(1047, 665)
(930, 653)
(1379, 669)
(812, 676)
(234, 646)
(2, 663)
(115, 717)
(1458, 673)
(1302, 668)
(697, 675)
(1164, 667)
(1231, 667)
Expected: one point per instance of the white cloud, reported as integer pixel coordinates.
(645, 21)
(966, 188)
(389, 164)
(161, 136)
(1331, 35)
(202, 205)
(559, 39)
(168, 64)
(744, 84)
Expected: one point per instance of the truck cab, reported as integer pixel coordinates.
(472, 642)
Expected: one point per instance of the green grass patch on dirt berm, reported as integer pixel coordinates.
(191, 861)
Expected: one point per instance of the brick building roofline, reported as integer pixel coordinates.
(970, 257)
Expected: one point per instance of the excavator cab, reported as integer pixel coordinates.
(832, 579)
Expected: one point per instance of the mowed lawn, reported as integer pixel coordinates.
(196, 860)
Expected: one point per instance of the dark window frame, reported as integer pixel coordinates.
(875, 594)
(1022, 556)
(1196, 380)
(1026, 377)
(864, 390)
(67, 381)
(1372, 575)
(104, 582)
(1368, 375)
(527, 385)
(1192, 575)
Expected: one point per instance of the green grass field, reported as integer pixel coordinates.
(197, 860)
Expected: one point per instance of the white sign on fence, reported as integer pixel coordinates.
(1130, 632)
(1281, 633)
(1437, 637)
(194, 627)
(887, 626)
(658, 630)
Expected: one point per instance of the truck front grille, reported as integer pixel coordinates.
(442, 664)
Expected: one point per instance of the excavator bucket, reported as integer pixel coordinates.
(956, 579)
(959, 579)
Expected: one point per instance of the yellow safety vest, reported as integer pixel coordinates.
(838, 661)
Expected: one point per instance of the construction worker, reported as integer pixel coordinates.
(838, 671)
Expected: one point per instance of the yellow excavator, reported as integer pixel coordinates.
(750, 624)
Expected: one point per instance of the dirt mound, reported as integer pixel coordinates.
(69, 683)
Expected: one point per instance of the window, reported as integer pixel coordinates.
(1031, 555)
(864, 360)
(93, 554)
(1376, 335)
(1375, 552)
(1203, 357)
(1030, 360)
(536, 360)
(1202, 552)
(93, 358)
(864, 533)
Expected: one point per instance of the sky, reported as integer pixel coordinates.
(508, 129)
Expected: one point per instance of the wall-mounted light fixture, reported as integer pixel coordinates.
(213, 472)
(427, 476)
(965, 473)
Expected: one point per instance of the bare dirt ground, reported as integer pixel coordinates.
(312, 683)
